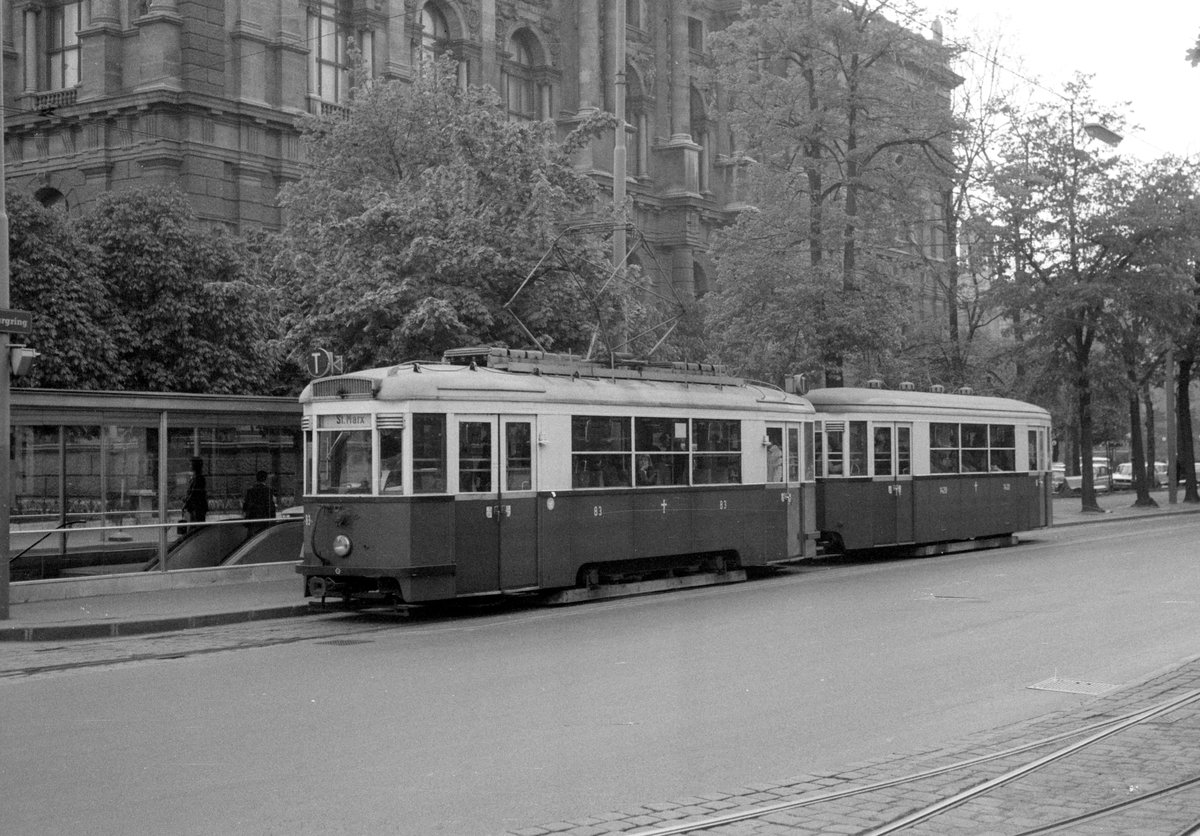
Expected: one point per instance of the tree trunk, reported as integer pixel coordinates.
(1137, 452)
(1083, 392)
(1183, 422)
(951, 273)
(1151, 455)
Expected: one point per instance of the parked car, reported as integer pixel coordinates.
(1122, 479)
(1101, 478)
(1058, 477)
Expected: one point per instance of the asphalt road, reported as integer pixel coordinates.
(483, 723)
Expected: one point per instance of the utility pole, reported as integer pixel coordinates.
(5, 417)
(1172, 452)
(619, 150)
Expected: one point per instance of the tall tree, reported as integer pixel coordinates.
(845, 116)
(1082, 235)
(420, 214)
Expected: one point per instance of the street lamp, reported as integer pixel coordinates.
(1106, 135)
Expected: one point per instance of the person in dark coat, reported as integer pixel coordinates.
(259, 503)
(195, 501)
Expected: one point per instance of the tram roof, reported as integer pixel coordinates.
(589, 384)
(931, 404)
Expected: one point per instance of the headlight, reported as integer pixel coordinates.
(341, 545)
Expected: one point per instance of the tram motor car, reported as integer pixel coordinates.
(501, 471)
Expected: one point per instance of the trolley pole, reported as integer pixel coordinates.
(5, 417)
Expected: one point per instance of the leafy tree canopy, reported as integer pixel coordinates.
(53, 274)
(133, 295)
(421, 213)
(843, 122)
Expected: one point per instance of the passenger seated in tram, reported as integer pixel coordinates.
(646, 475)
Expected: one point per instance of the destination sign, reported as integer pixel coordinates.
(347, 421)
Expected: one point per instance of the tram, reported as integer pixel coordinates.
(509, 471)
(930, 471)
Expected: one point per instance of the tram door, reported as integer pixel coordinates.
(892, 470)
(783, 469)
(495, 522)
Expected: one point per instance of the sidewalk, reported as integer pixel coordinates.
(153, 612)
(181, 609)
(1118, 506)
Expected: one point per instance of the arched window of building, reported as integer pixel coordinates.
(699, 131)
(433, 38)
(633, 13)
(434, 33)
(637, 123)
(328, 69)
(63, 22)
(520, 90)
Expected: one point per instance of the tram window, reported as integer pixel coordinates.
(474, 456)
(391, 470)
(344, 461)
(811, 454)
(1002, 439)
(883, 451)
(835, 440)
(310, 449)
(661, 447)
(774, 454)
(429, 453)
(943, 448)
(974, 448)
(518, 456)
(858, 448)
(717, 459)
(793, 455)
(904, 451)
(601, 451)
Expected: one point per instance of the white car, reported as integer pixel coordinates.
(1102, 478)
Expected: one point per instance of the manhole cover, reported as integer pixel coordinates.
(1072, 686)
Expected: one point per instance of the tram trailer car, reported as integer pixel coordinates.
(928, 470)
(504, 471)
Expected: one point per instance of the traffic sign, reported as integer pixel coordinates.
(15, 322)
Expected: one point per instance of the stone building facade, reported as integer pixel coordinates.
(206, 95)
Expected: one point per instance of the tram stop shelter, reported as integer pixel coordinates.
(98, 480)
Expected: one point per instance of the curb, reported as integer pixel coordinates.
(1107, 515)
(110, 629)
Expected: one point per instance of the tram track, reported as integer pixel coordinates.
(1081, 738)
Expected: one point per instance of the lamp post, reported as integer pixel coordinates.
(1169, 405)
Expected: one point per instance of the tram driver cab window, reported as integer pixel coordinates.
(343, 454)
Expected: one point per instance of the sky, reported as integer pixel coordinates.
(1134, 50)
